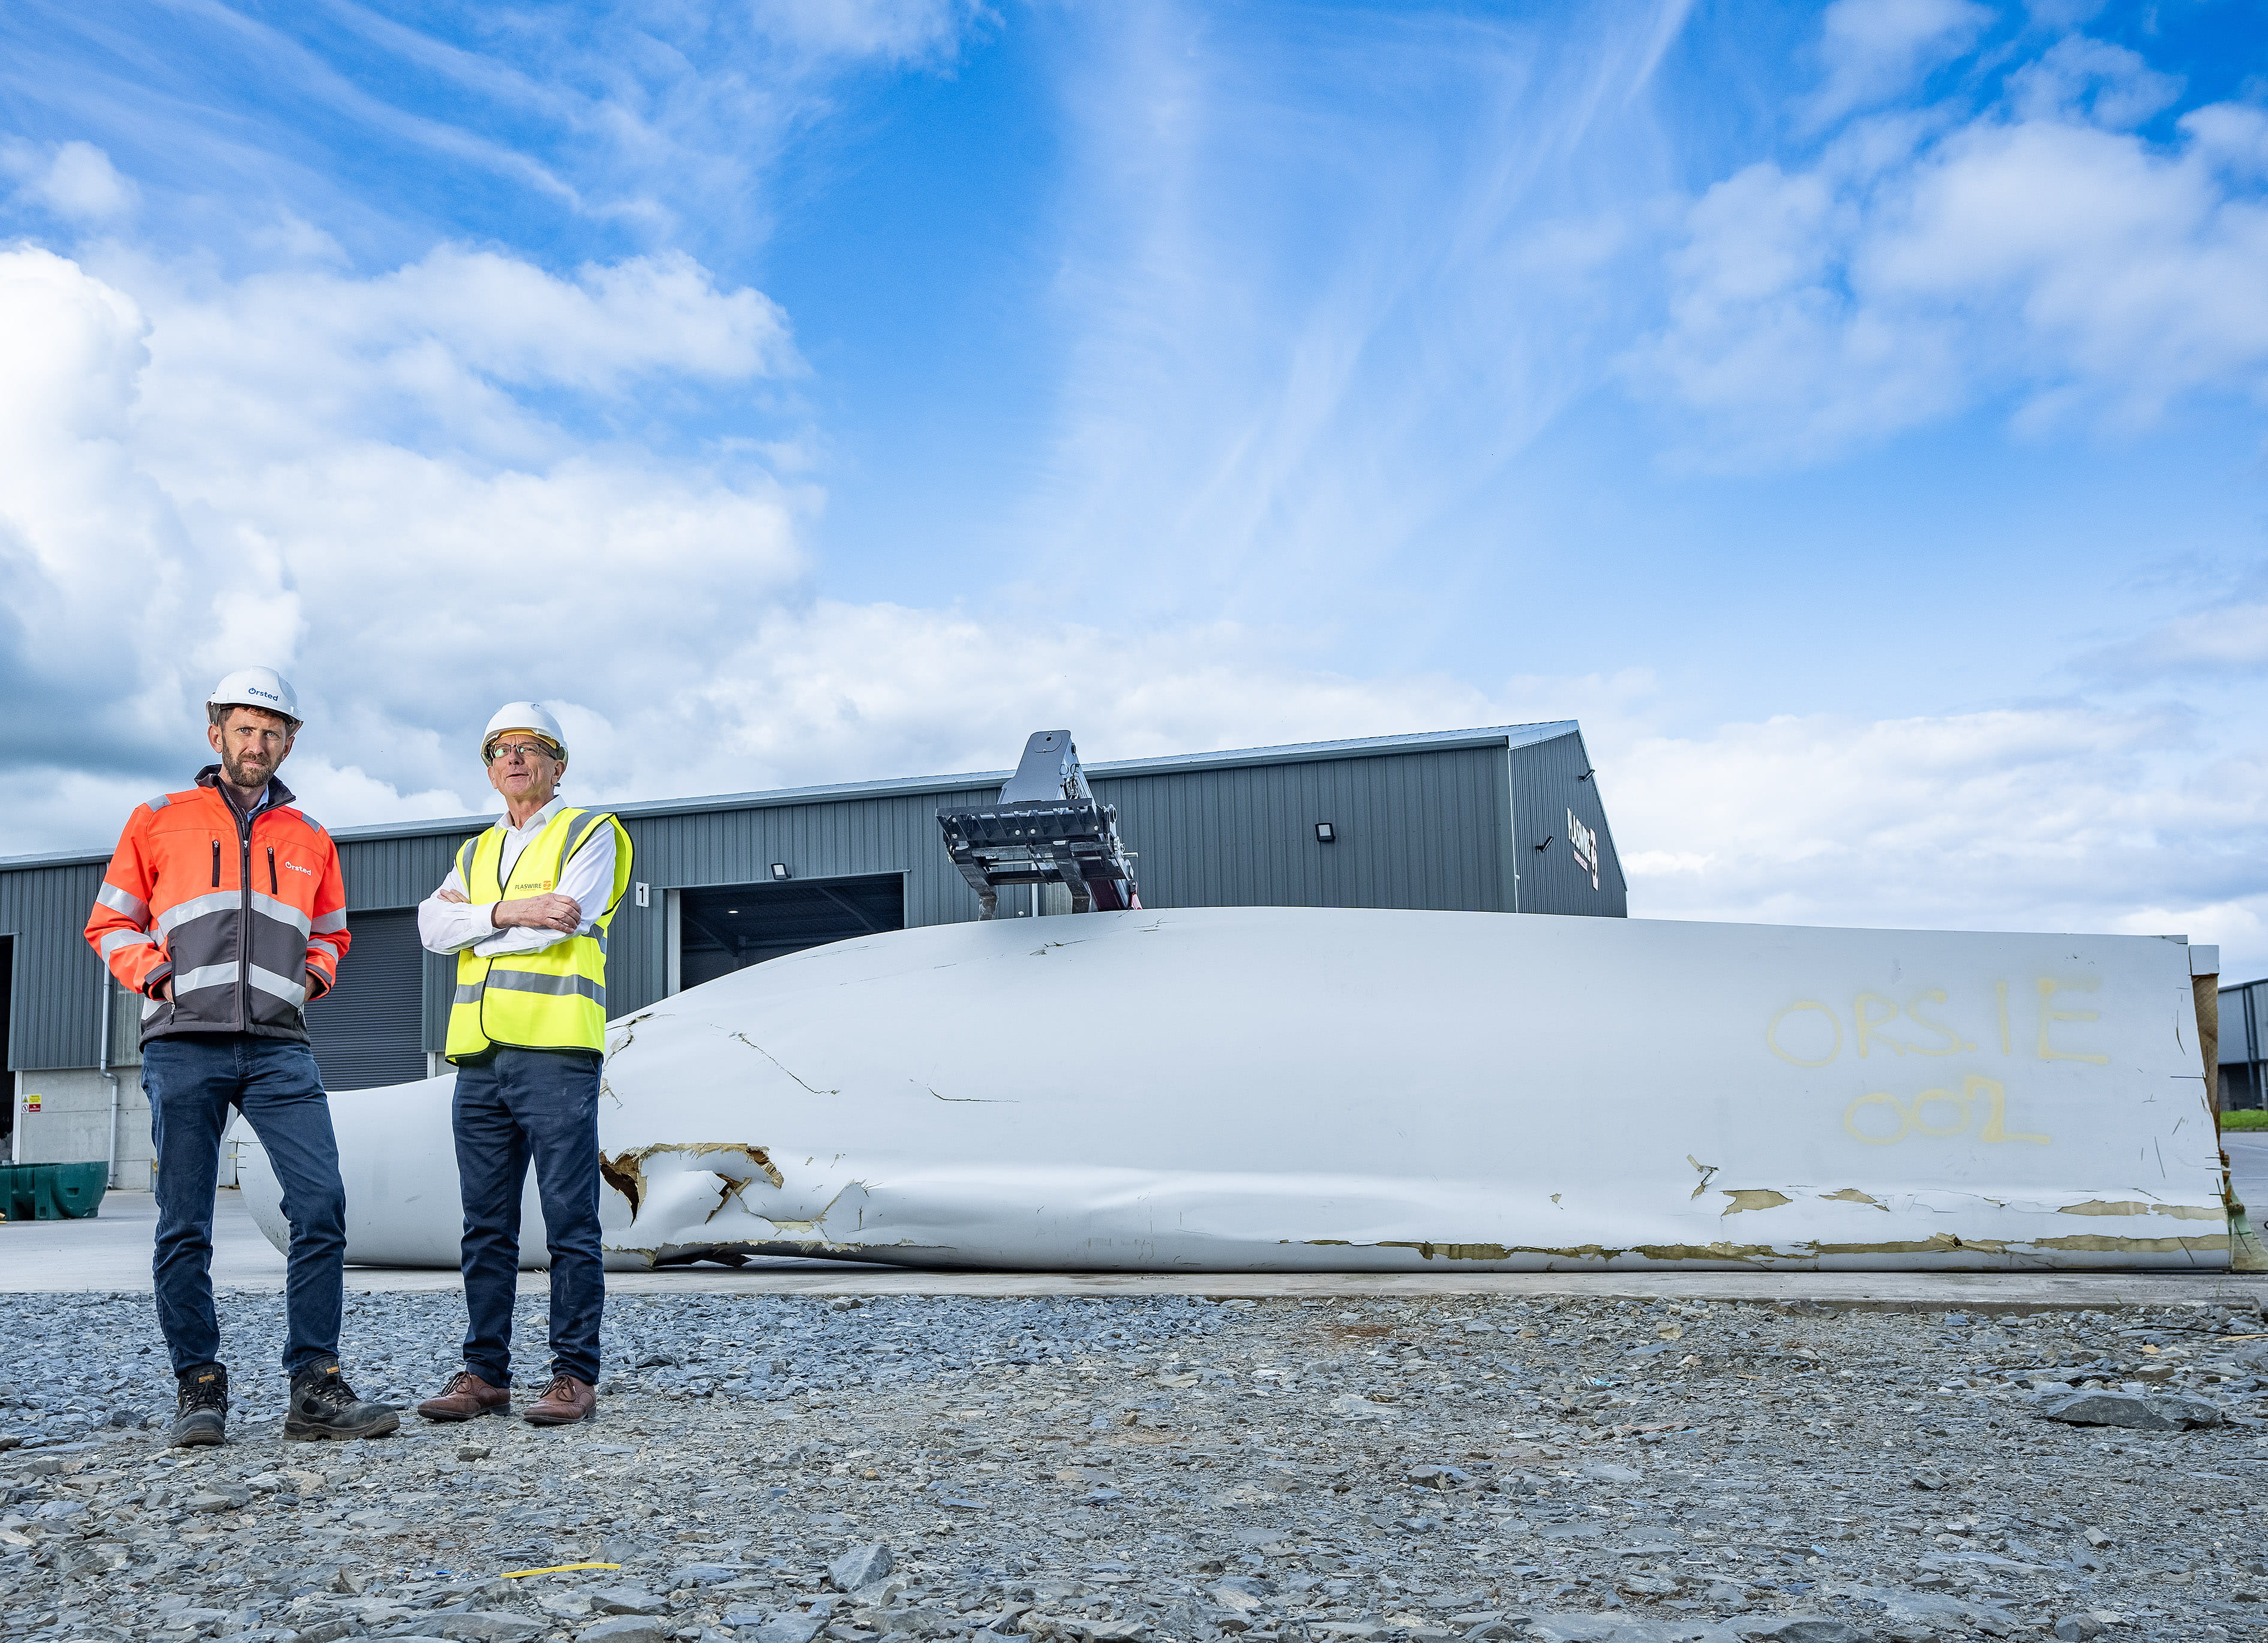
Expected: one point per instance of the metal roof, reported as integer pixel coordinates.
(1506, 736)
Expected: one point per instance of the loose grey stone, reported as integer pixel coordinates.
(2140, 1412)
(2074, 1628)
(481, 1626)
(1438, 1476)
(624, 1629)
(1800, 1629)
(629, 1600)
(701, 1574)
(1791, 1436)
(861, 1565)
(791, 1628)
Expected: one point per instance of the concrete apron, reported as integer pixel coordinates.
(110, 1254)
(1878, 1292)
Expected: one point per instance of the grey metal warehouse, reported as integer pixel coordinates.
(1505, 819)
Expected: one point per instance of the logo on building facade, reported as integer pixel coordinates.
(1585, 843)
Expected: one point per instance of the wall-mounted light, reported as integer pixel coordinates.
(642, 896)
(779, 869)
(1548, 837)
(1325, 834)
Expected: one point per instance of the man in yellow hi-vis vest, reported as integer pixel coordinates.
(525, 910)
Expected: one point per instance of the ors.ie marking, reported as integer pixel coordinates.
(1936, 1113)
(1873, 1014)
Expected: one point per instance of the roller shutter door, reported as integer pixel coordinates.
(726, 928)
(368, 1030)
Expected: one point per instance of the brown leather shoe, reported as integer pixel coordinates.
(467, 1395)
(566, 1399)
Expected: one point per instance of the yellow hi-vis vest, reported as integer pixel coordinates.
(551, 1000)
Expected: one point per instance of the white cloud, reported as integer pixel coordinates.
(438, 352)
(2229, 639)
(189, 484)
(73, 179)
(1875, 49)
(2041, 249)
(2062, 816)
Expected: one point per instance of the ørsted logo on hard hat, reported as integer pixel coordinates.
(254, 690)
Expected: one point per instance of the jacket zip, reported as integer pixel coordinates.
(216, 864)
(244, 921)
(272, 890)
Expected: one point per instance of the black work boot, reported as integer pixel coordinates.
(323, 1406)
(203, 1414)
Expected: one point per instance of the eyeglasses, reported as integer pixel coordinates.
(526, 750)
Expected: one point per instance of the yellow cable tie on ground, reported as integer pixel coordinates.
(562, 1568)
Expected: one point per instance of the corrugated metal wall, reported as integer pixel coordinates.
(57, 1012)
(1547, 783)
(1429, 828)
(1416, 830)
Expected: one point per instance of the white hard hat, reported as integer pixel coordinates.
(524, 715)
(257, 687)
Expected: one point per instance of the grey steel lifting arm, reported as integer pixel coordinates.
(1045, 828)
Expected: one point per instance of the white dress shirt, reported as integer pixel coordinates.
(450, 927)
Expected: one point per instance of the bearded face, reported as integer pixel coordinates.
(252, 743)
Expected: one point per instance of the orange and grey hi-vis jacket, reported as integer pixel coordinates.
(247, 915)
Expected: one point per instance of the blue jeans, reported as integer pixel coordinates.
(514, 1106)
(192, 1081)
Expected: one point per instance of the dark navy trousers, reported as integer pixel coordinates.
(193, 1081)
(514, 1107)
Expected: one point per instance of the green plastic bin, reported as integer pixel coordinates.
(51, 1191)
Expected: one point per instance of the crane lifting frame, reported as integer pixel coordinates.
(1045, 828)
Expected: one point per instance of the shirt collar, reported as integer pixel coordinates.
(270, 797)
(535, 822)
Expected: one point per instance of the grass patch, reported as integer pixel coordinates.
(2251, 1118)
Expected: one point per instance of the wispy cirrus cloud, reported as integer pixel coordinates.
(1313, 299)
(610, 127)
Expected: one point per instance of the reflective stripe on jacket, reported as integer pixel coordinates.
(554, 999)
(240, 913)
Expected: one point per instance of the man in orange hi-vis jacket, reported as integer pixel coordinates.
(223, 908)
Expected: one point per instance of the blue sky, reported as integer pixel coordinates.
(1853, 414)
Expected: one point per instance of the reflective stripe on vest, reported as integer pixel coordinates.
(551, 1000)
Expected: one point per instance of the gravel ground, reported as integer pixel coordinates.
(781, 1468)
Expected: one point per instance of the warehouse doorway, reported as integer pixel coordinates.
(371, 1029)
(728, 928)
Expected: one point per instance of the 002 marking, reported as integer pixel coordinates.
(1916, 1117)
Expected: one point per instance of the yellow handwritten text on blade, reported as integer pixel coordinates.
(1801, 1042)
(1954, 1042)
(1869, 1026)
(2049, 1015)
(1933, 1112)
(1772, 1033)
